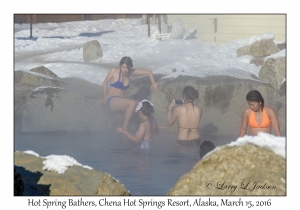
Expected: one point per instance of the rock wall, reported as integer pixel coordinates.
(59, 109)
(222, 99)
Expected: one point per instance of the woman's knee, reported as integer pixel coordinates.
(133, 104)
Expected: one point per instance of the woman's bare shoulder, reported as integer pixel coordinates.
(113, 70)
(198, 108)
(247, 111)
(269, 110)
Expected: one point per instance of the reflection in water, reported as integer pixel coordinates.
(142, 173)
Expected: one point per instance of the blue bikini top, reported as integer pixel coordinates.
(118, 84)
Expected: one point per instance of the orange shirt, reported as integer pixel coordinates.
(265, 123)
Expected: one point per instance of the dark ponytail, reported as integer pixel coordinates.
(147, 110)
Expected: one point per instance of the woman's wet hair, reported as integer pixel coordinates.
(127, 61)
(255, 96)
(147, 110)
(190, 93)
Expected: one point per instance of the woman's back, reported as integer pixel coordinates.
(188, 121)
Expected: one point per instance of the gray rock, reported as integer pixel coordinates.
(76, 181)
(239, 166)
(281, 46)
(91, 51)
(273, 71)
(281, 114)
(21, 94)
(25, 78)
(44, 70)
(58, 109)
(258, 60)
(263, 48)
(222, 99)
(26, 82)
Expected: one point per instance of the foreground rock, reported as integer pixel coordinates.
(239, 166)
(76, 181)
(273, 71)
(18, 184)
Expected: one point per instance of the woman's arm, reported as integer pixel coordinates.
(139, 136)
(274, 121)
(109, 76)
(172, 116)
(244, 123)
(150, 75)
(155, 126)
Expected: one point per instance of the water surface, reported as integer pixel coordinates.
(151, 173)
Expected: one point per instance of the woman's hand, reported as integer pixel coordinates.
(120, 130)
(162, 127)
(102, 101)
(154, 86)
(172, 104)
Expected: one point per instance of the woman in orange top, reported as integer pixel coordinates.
(259, 117)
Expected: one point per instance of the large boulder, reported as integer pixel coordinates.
(26, 83)
(262, 47)
(238, 170)
(273, 71)
(31, 79)
(76, 181)
(92, 51)
(59, 109)
(222, 99)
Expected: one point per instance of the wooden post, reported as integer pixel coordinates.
(148, 21)
(159, 24)
(30, 26)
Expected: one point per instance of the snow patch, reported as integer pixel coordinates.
(276, 55)
(264, 140)
(31, 153)
(60, 163)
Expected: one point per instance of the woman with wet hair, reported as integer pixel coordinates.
(148, 126)
(258, 116)
(188, 117)
(119, 79)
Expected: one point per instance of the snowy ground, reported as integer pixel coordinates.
(59, 47)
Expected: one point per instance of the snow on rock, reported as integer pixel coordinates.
(32, 153)
(276, 55)
(60, 163)
(264, 140)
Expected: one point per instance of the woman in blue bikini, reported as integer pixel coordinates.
(119, 79)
